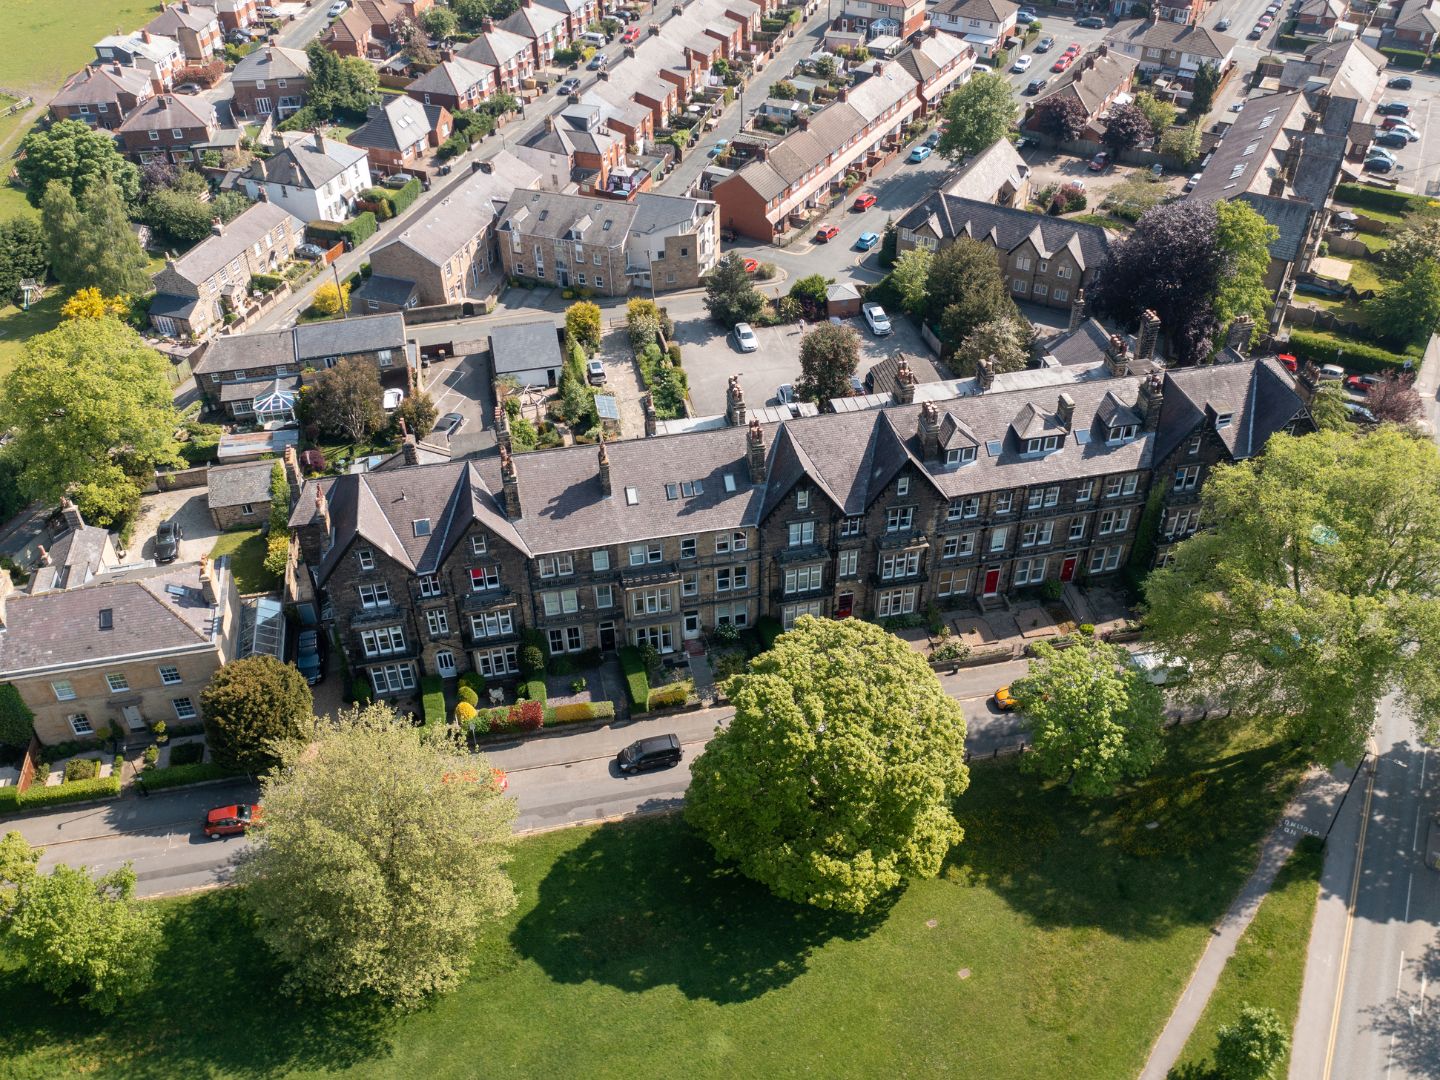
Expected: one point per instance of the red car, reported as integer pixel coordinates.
(1063, 63)
(1073, 50)
(629, 37)
(231, 820)
(826, 233)
(864, 202)
(751, 265)
(1361, 384)
(1289, 362)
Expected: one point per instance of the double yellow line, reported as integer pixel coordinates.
(1350, 918)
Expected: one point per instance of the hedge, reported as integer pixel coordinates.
(354, 232)
(582, 710)
(102, 787)
(532, 689)
(1397, 202)
(188, 753)
(637, 679)
(179, 775)
(1406, 58)
(432, 700)
(675, 694)
(1355, 356)
(9, 799)
(402, 200)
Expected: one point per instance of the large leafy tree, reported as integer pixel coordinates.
(1312, 593)
(978, 115)
(1252, 1046)
(1094, 717)
(911, 272)
(80, 936)
(1394, 400)
(346, 400)
(828, 355)
(582, 321)
(1159, 114)
(1329, 408)
(965, 289)
(22, 253)
(78, 157)
(1417, 242)
(811, 293)
(90, 243)
(17, 867)
(88, 404)
(1061, 117)
(250, 707)
(1171, 264)
(340, 84)
(834, 781)
(730, 295)
(383, 855)
(1243, 239)
(1410, 310)
(1004, 341)
(1126, 128)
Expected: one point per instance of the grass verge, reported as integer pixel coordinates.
(1269, 962)
(1054, 942)
(246, 548)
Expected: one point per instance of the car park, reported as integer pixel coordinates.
(450, 423)
(656, 752)
(310, 658)
(1045, 44)
(745, 339)
(878, 320)
(1401, 82)
(920, 153)
(826, 232)
(1100, 162)
(785, 393)
(1091, 22)
(1022, 63)
(867, 240)
(595, 371)
(863, 202)
(1036, 85)
(167, 541)
(231, 820)
(1394, 108)
(569, 86)
(1004, 700)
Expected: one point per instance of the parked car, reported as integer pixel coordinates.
(1024, 17)
(826, 232)
(1159, 669)
(595, 371)
(1401, 82)
(750, 265)
(745, 339)
(863, 202)
(630, 36)
(1380, 152)
(1361, 384)
(309, 658)
(1332, 372)
(337, 9)
(1190, 184)
(450, 423)
(878, 320)
(1222, 25)
(1091, 22)
(1358, 414)
(718, 149)
(785, 393)
(188, 88)
(867, 240)
(656, 752)
(1394, 122)
(932, 140)
(231, 820)
(1022, 63)
(1237, 106)
(568, 86)
(1411, 135)
(1256, 33)
(1005, 701)
(1073, 49)
(1036, 85)
(397, 180)
(390, 400)
(857, 386)
(167, 541)
(310, 251)
(597, 62)
(1395, 137)
(265, 11)
(1378, 165)
(1062, 63)
(1394, 108)
(1100, 162)
(1266, 21)
(920, 153)
(1045, 44)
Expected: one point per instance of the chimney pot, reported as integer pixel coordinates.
(755, 452)
(510, 481)
(1149, 336)
(905, 381)
(984, 373)
(1117, 359)
(1077, 309)
(929, 431)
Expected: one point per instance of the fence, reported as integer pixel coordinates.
(27, 769)
(182, 478)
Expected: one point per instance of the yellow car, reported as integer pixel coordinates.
(1004, 700)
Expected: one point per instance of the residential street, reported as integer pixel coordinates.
(557, 780)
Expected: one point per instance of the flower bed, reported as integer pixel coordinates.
(38, 797)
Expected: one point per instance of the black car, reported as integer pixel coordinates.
(1394, 108)
(167, 541)
(1036, 85)
(1391, 138)
(1091, 22)
(1379, 165)
(1401, 82)
(656, 752)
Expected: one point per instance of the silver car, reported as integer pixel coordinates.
(745, 338)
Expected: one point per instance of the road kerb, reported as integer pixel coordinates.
(1349, 921)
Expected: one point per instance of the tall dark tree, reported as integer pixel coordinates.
(1207, 81)
(1169, 264)
(22, 253)
(76, 155)
(345, 400)
(1126, 128)
(339, 84)
(250, 706)
(730, 295)
(965, 289)
(828, 355)
(1061, 117)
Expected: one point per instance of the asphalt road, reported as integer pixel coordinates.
(559, 780)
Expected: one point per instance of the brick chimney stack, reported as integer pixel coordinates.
(652, 422)
(1117, 357)
(904, 383)
(984, 373)
(502, 429)
(315, 533)
(1151, 398)
(411, 450)
(929, 431)
(293, 476)
(1065, 411)
(511, 484)
(734, 403)
(1077, 310)
(755, 452)
(1149, 335)
(605, 471)
(207, 581)
(70, 513)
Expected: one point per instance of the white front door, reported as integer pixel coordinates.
(692, 625)
(133, 720)
(445, 664)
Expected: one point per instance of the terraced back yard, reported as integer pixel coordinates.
(1054, 943)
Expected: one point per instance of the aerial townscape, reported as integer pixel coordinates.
(720, 538)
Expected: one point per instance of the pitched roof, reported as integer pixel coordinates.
(524, 346)
(102, 83)
(533, 21)
(880, 379)
(1092, 79)
(1160, 34)
(396, 125)
(928, 56)
(170, 111)
(495, 47)
(996, 11)
(582, 218)
(158, 49)
(1260, 396)
(455, 77)
(656, 213)
(206, 257)
(238, 485)
(271, 62)
(178, 16)
(308, 341)
(1419, 15)
(309, 160)
(1007, 227)
(987, 172)
(73, 559)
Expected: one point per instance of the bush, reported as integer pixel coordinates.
(465, 712)
(666, 696)
(532, 689)
(355, 232)
(402, 200)
(16, 719)
(1397, 202)
(726, 633)
(9, 799)
(532, 659)
(950, 649)
(526, 716)
(583, 710)
(190, 753)
(360, 690)
(469, 697)
(637, 677)
(151, 755)
(82, 768)
(1322, 348)
(1404, 58)
(474, 682)
(180, 775)
(577, 686)
(266, 282)
(432, 700)
(106, 787)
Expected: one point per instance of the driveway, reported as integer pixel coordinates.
(461, 385)
(188, 507)
(711, 358)
(1049, 168)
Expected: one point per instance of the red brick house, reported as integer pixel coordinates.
(169, 128)
(272, 79)
(397, 135)
(455, 83)
(233, 14)
(197, 29)
(102, 95)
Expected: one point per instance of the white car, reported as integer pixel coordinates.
(338, 8)
(1022, 63)
(878, 320)
(1159, 669)
(745, 337)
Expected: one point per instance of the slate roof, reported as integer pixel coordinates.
(1419, 15)
(1008, 227)
(206, 257)
(1092, 85)
(581, 218)
(271, 62)
(454, 77)
(102, 83)
(524, 346)
(238, 485)
(61, 628)
(995, 11)
(496, 47)
(396, 125)
(309, 341)
(74, 559)
(656, 213)
(174, 17)
(533, 22)
(169, 111)
(1153, 34)
(307, 161)
(1260, 396)
(987, 172)
(880, 379)
(929, 55)
(387, 290)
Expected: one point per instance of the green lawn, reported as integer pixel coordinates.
(17, 326)
(1269, 962)
(1053, 944)
(246, 548)
(47, 40)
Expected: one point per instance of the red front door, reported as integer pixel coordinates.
(992, 581)
(1067, 569)
(844, 605)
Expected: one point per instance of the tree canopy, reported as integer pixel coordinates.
(978, 115)
(1252, 1046)
(1061, 117)
(965, 289)
(22, 253)
(339, 84)
(828, 355)
(1126, 128)
(90, 243)
(250, 707)
(1409, 311)
(1312, 592)
(730, 295)
(88, 403)
(1207, 81)
(582, 320)
(1159, 114)
(76, 156)
(1243, 239)
(382, 856)
(1004, 341)
(910, 276)
(346, 400)
(1094, 717)
(834, 781)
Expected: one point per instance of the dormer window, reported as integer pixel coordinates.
(962, 455)
(1042, 445)
(1222, 420)
(1122, 433)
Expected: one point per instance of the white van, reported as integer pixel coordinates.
(592, 38)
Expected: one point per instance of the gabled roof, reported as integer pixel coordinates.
(178, 16)
(308, 161)
(157, 48)
(987, 172)
(533, 21)
(581, 218)
(1260, 397)
(102, 83)
(167, 111)
(524, 346)
(206, 257)
(928, 56)
(1008, 227)
(395, 125)
(1422, 15)
(995, 11)
(238, 485)
(1181, 37)
(306, 342)
(1092, 79)
(496, 47)
(454, 77)
(271, 62)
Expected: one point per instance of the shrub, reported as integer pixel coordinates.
(1405, 58)
(266, 282)
(402, 200)
(360, 692)
(583, 710)
(82, 768)
(637, 677)
(9, 799)
(468, 697)
(354, 232)
(532, 659)
(1322, 348)
(151, 755)
(674, 694)
(101, 787)
(190, 753)
(726, 633)
(526, 716)
(432, 700)
(577, 685)
(180, 775)
(465, 712)
(1397, 202)
(730, 664)
(16, 719)
(533, 689)
(474, 682)
(950, 649)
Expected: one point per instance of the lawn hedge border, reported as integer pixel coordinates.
(180, 775)
(674, 694)
(1355, 356)
(1397, 202)
(579, 711)
(532, 689)
(432, 700)
(637, 679)
(102, 787)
